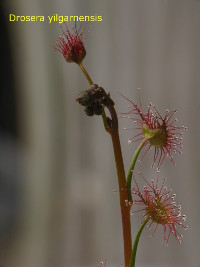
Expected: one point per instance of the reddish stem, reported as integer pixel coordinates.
(125, 210)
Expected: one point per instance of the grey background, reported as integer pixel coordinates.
(69, 215)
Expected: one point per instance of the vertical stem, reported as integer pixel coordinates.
(131, 168)
(105, 121)
(133, 256)
(125, 210)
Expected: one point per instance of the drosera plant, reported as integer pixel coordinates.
(157, 132)
(161, 133)
(159, 208)
(71, 44)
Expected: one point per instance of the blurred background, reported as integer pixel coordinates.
(57, 170)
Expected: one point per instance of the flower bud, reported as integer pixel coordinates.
(159, 206)
(157, 137)
(71, 45)
(159, 132)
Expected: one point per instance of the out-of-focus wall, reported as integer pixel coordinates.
(68, 214)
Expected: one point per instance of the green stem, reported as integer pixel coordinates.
(85, 73)
(105, 122)
(130, 172)
(133, 255)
